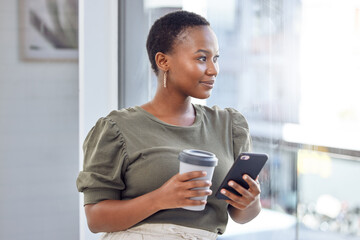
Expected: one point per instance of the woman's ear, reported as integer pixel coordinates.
(162, 61)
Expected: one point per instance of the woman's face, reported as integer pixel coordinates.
(193, 62)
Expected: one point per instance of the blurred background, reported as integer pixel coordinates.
(292, 67)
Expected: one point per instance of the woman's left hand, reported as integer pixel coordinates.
(248, 196)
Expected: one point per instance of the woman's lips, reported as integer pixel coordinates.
(209, 84)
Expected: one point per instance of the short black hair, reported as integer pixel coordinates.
(166, 29)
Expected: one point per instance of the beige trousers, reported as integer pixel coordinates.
(160, 231)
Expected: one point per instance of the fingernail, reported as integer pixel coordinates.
(223, 191)
(231, 183)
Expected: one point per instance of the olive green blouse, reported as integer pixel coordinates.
(130, 152)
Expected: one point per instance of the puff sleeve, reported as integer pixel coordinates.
(240, 133)
(104, 162)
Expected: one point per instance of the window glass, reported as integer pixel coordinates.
(292, 68)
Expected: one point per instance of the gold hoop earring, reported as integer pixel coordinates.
(165, 79)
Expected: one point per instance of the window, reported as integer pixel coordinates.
(293, 70)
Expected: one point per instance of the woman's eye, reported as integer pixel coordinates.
(216, 59)
(203, 59)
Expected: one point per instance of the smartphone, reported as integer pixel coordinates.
(246, 163)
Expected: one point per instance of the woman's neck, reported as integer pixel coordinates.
(181, 113)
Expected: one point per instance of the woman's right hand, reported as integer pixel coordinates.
(178, 190)
(108, 215)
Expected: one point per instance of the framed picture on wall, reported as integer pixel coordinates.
(48, 29)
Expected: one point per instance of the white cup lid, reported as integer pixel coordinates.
(198, 157)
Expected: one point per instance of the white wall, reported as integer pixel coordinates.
(98, 73)
(38, 141)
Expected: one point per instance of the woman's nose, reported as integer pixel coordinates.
(212, 69)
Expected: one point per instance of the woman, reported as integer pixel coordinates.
(130, 180)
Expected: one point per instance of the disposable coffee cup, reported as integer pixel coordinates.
(197, 160)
